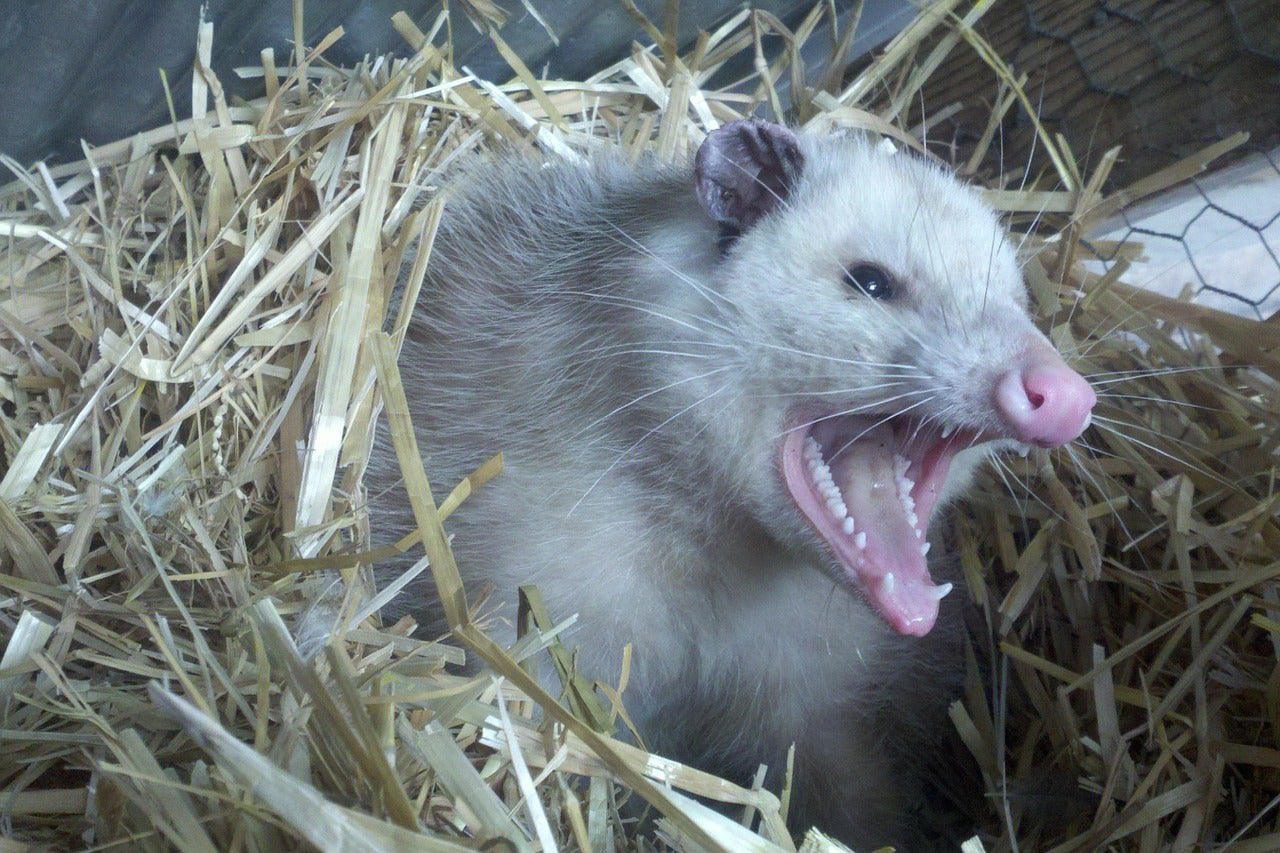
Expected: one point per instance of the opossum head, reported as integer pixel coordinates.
(881, 313)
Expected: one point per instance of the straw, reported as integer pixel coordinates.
(192, 365)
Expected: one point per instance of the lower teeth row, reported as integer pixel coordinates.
(820, 474)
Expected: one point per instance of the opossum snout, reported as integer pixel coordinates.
(1045, 402)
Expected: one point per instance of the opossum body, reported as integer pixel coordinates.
(730, 397)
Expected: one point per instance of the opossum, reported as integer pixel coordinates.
(731, 395)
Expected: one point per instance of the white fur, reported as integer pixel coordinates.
(639, 395)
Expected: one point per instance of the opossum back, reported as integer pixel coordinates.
(530, 301)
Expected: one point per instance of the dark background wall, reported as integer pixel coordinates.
(1160, 77)
(90, 68)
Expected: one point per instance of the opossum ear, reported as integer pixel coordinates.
(745, 170)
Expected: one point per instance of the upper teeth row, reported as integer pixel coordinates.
(905, 484)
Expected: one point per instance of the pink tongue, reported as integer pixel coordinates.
(891, 570)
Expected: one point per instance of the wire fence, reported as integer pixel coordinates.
(1161, 80)
(1216, 240)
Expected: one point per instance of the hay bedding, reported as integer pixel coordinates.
(191, 364)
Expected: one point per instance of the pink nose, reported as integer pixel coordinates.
(1047, 404)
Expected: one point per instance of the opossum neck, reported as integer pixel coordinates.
(660, 315)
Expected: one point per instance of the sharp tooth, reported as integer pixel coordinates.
(913, 519)
(919, 533)
(1024, 450)
(940, 591)
(886, 583)
(847, 526)
(924, 548)
(861, 539)
(900, 464)
(948, 430)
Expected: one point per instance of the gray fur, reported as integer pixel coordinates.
(583, 320)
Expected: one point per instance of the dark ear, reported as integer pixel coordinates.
(746, 169)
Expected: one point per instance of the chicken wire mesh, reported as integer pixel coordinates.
(1217, 240)
(1162, 81)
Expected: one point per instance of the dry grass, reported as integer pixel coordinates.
(190, 370)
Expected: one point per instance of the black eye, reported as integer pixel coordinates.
(870, 280)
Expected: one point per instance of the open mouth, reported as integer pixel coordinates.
(869, 486)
